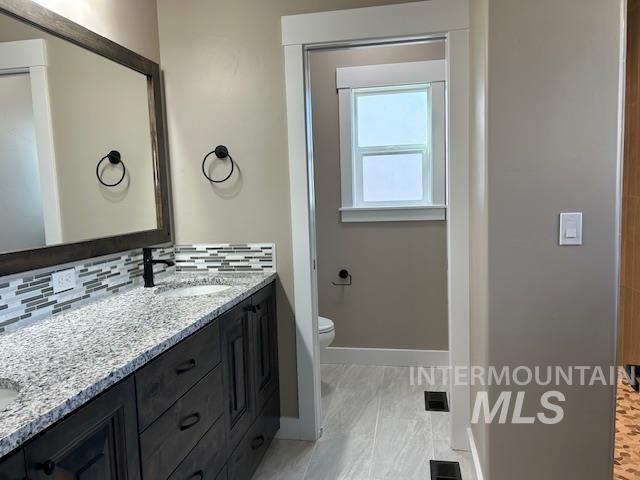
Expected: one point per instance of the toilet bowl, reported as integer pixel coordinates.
(327, 331)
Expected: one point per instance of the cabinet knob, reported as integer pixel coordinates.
(199, 475)
(47, 467)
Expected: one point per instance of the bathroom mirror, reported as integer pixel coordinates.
(83, 169)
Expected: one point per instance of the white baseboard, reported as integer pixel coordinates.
(474, 454)
(292, 429)
(385, 357)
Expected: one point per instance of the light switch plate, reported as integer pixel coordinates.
(63, 280)
(571, 228)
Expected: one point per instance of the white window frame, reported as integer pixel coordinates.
(410, 75)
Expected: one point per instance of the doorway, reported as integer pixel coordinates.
(390, 245)
(379, 25)
(377, 120)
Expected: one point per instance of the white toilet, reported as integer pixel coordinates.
(327, 331)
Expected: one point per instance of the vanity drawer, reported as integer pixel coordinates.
(246, 458)
(168, 377)
(207, 459)
(170, 438)
(12, 467)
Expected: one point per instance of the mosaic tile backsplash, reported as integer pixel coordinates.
(24, 299)
(226, 257)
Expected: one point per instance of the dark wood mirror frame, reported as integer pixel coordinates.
(25, 260)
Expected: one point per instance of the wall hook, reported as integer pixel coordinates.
(114, 158)
(344, 275)
(220, 152)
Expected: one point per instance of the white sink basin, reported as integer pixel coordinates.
(194, 291)
(7, 395)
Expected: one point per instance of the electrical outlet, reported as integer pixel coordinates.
(63, 280)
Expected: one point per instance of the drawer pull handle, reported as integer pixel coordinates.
(257, 442)
(251, 309)
(199, 475)
(186, 366)
(189, 421)
(47, 467)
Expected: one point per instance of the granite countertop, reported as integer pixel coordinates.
(62, 362)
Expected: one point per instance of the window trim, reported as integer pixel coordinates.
(432, 73)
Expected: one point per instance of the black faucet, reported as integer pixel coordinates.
(148, 262)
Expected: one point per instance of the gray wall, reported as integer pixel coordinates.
(399, 294)
(552, 138)
(224, 72)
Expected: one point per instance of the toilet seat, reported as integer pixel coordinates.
(325, 325)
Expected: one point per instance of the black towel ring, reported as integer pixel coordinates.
(221, 152)
(114, 158)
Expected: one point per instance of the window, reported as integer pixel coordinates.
(392, 126)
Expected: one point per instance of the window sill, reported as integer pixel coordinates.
(393, 214)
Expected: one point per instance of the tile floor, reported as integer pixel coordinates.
(627, 457)
(375, 428)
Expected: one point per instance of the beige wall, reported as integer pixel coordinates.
(224, 72)
(132, 23)
(399, 294)
(96, 106)
(551, 137)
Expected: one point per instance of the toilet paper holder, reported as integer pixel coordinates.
(344, 275)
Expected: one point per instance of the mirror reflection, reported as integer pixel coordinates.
(63, 109)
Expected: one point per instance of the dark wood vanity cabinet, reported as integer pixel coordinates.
(98, 442)
(206, 409)
(221, 425)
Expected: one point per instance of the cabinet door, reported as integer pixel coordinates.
(12, 467)
(98, 442)
(265, 345)
(236, 347)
